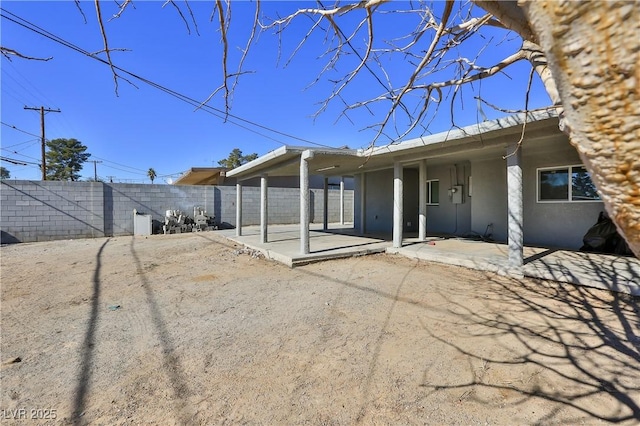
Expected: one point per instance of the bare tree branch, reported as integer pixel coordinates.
(107, 50)
(509, 110)
(363, 61)
(486, 72)
(526, 115)
(122, 7)
(510, 15)
(428, 64)
(245, 51)
(425, 61)
(435, 60)
(186, 23)
(116, 49)
(6, 52)
(77, 2)
(193, 18)
(223, 22)
(327, 13)
(533, 54)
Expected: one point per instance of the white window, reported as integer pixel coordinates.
(433, 192)
(566, 183)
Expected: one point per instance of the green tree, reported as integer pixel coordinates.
(236, 159)
(65, 158)
(4, 173)
(152, 174)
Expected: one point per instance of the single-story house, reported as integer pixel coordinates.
(485, 180)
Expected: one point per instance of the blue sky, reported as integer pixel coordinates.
(143, 127)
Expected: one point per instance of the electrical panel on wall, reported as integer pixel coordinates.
(456, 194)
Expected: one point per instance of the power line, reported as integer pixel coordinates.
(43, 98)
(22, 155)
(20, 130)
(123, 170)
(17, 162)
(6, 89)
(27, 91)
(22, 143)
(18, 151)
(118, 164)
(223, 115)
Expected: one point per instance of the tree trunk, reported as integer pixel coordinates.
(593, 52)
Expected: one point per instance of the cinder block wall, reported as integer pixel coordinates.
(284, 205)
(43, 211)
(46, 210)
(121, 199)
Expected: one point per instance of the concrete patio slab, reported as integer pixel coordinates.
(609, 272)
(284, 243)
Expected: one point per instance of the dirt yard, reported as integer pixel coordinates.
(189, 329)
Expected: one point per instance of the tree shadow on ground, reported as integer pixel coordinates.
(574, 346)
(586, 339)
(171, 363)
(88, 344)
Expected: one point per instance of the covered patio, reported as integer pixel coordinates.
(484, 139)
(608, 272)
(393, 198)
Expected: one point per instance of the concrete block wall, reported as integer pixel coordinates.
(225, 205)
(43, 211)
(121, 199)
(334, 205)
(47, 210)
(284, 205)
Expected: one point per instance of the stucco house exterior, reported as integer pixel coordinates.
(484, 180)
(466, 186)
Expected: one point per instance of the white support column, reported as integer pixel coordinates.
(397, 204)
(515, 210)
(238, 209)
(325, 208)
(422, 201)
(363, 203)
(304, 201)
(341, 200)
(264, 212)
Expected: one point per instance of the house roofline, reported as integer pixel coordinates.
(459, 136)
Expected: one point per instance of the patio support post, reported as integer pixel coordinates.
(325, 209)
(264, 214)
(422, 201)
(341, 200)
(304, 201)
(363, 203)
(238, 209)
(515, 210)
(397, 204)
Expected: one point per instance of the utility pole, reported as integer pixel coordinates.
(95, 169)
(42, 111)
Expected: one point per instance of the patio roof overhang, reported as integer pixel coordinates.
(202, 176)
(489, 138)
(285, 161)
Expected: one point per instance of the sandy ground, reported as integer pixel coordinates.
(187, 329)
